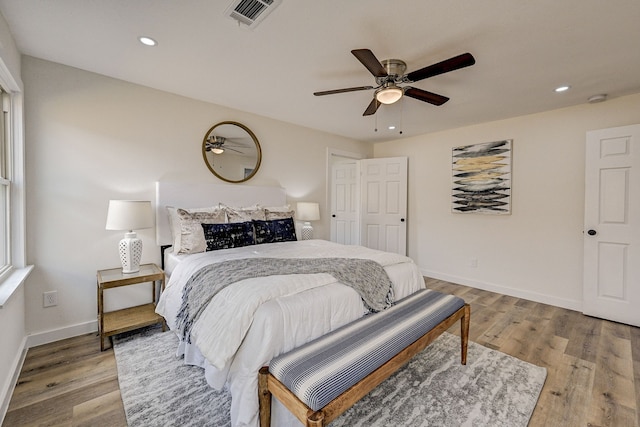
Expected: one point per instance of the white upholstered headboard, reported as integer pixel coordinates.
(199, 194)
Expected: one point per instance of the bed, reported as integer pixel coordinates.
(244, 325)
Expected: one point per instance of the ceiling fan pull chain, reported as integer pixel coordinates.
(376, 128)
(401, 114)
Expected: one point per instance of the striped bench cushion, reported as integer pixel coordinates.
(321, 370)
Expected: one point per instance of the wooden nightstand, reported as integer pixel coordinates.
(115, 322)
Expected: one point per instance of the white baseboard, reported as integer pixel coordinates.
(513, 292)
(62, 333)
(7, 388)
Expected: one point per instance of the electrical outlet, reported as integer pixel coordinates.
(50, 298)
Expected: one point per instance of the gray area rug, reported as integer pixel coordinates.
(434, 389)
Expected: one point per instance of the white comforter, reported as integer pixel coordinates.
(248, 323)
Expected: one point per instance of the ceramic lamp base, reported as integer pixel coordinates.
(307, 231)
(130, 252)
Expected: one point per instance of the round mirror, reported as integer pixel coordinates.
(231, 152)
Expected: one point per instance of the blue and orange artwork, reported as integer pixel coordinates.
(482, 178)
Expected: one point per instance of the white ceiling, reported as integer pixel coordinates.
(523, 50)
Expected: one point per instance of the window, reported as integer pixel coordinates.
(13, 256)
(5, 186)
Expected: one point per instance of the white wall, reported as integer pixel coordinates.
(536, 252)
(13, 339)
(90, 139)
(8, 50)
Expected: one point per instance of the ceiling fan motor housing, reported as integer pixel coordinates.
(395, 71)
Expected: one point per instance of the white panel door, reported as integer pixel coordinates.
(345, 203)
(384, 204)
(612, 225)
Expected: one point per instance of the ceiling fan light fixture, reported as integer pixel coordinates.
(389, 94)
(217, 150)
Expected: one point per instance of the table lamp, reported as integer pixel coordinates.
(129, 215)
(307, 211)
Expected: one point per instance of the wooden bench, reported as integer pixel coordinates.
(320, 380)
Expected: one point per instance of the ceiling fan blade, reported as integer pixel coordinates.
(370, 61)
(423, 95)
(349, 89)
(372, 108)
(451, 64)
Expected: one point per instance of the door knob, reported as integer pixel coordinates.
(592, 232)
(333, 216)
(401, 219)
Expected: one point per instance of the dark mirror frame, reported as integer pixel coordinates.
(255, 141)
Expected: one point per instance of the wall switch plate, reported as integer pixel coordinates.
(50, 298)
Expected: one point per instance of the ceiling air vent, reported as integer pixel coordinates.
(251, 12)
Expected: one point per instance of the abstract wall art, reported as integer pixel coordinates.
(482, 178)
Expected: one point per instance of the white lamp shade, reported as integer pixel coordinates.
(307, 211)
(129, 215)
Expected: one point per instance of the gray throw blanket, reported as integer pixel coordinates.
(367, 277)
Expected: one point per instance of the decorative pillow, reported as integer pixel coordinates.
(174, 220)
(230, 235)
(245, 214)
(191, 238)
(175, 224)
(278, 212)
(276, 230)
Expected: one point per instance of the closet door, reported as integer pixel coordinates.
(345, 202)
(384, 204)
(612, 225)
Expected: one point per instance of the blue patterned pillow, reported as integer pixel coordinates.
(276, 230)
(224, 236)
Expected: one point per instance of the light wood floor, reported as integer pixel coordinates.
(593, 367)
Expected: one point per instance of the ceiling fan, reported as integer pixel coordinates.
(390, 73)
(218, 144)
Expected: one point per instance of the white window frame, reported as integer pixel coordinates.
(11, 278)
(5, 184)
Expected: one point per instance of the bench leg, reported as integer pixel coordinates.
(264, 397)
(464, 332)
(315, 419)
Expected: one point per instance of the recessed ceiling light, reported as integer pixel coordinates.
(562, 88)
(147, 41)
